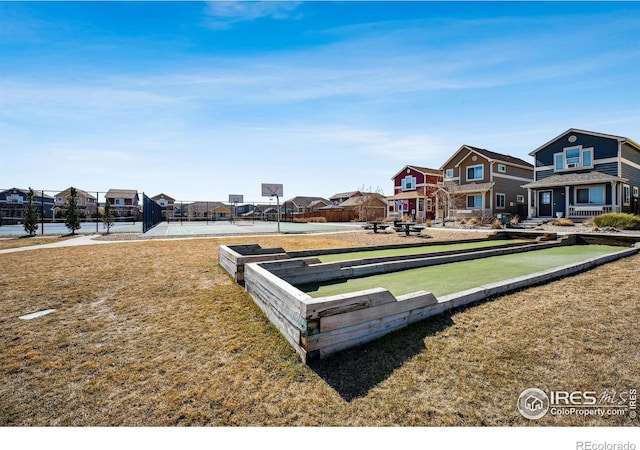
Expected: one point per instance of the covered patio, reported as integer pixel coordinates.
(468, 200)
(413, 203)
(575, 195)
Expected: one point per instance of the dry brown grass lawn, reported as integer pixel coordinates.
(157, 334)
(28, 241)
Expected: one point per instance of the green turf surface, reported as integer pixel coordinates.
(416, 250)
(454, 277)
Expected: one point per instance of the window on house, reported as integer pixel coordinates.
(16, 198)
(475, 172)
(626, 195)
(520, 198)
(408, 183)
(474, 201)
(448, 173)
(587, 157)
(574, 158)
(429, 205)
(502, 168)
(559, 161)
(593, 195)
(119, 201)
(635, 192)
(500, 201)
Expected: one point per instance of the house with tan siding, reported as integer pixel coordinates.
(87, 203)
(481, 183)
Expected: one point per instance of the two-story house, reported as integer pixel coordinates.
(166, 204)
(482, 183)
(87, 203)
(302, 205)
(581, 174)
(414, 192)
(123, 202)
(12, 203)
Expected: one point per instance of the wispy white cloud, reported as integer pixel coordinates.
(222, 15)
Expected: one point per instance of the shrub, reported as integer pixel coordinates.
(496, 224)
(562, 223)
(515, 220)
(427, 222)
(618, 220)
(474, 221)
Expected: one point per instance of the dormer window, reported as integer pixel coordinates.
(502, 168)
(448, 173)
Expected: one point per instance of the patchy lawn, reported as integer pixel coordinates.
(157, 334)
(6, 243)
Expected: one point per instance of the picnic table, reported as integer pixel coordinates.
(377, 225)
(408, 227)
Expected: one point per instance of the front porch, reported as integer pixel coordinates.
(587, 212)
(577, 196)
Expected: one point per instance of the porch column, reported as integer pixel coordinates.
(566, 201)
(614, 197)
(529, 205)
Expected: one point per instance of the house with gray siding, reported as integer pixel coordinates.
(13, 201)
(482, 183)
(581, 174)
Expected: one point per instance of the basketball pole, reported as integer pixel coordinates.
(278, 206)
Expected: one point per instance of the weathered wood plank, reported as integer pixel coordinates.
(418, 300)
(277, 293)
(337, 304)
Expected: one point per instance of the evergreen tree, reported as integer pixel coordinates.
(71, 212)
(31, 215)
(108, 218)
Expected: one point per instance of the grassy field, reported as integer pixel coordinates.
(28, 241)
(449, 278)
(157, 334)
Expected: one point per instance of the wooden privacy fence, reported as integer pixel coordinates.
(330, 215)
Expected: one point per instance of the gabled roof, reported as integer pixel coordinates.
(360, 199)
(620, 139)
(424, 170)
(79, 191)
(316, 203)
(36, 193)
(489, 155)
(304, 202)
(345, 194)
(121, 193)
(574, 179)
(165, 196)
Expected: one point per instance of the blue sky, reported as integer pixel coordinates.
(200, 100)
